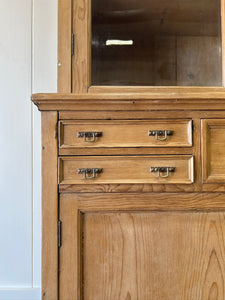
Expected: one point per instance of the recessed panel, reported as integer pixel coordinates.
(149, 256)
(213, 150)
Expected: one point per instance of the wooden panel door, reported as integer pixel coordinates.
(122, 247)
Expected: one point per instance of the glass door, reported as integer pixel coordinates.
(156, 43)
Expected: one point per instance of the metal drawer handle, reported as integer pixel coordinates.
(90, 173)
(161, 170)
(89, 136)
(159, 133)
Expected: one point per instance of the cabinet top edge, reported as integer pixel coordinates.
(171, 99)
(176, 93)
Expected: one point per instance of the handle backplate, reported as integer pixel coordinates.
(163, 172)
(89, 136)
(90, 173)
(160, 135)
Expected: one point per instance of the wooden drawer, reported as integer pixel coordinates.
(153, 133)
(122, 169)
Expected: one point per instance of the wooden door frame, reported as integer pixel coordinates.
(65, 13)
(73, 206)
(74, 18)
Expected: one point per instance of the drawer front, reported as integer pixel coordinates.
(117, 169)
(154, 133)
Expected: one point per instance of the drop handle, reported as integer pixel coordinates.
(90, 173)
(162, 172)
(160, 135)
(89, 136)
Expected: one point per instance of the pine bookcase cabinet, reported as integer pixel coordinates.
(133, 153)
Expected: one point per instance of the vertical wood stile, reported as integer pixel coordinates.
(49, 206)
(81, 59)
(223, 39)
(64, 45)
(70, 261)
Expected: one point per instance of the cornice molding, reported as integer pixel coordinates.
(204, 100)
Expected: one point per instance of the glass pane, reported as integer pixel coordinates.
(156, 42)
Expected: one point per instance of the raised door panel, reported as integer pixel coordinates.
(213, 150)
(117, 254)
(148, 256)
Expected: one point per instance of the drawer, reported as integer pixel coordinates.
(153, 133)
(124, 169)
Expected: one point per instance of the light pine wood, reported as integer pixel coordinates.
(131, 105)
(223, 39)
(143, 188)
(128, 234)
(197, 152)
(154, 255)
(69, 287)
(49, 206)
(81, 70)
(125, 133)
(132, 251)
(138, 115)
(180, 99)
(135, 93)
(151, 89)
(213, 150)
(126, 169)
(161, 201)
(64, 45)
(125, 151)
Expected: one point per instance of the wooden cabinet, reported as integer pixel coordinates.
(133, 167)
(135, 222)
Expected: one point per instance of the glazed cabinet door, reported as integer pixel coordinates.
(124, 248)
(121, 43)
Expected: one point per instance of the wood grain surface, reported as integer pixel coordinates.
(148, 256)
(213, 150)
(127, 133)
(165, 100)
(169, 202)
(81, 60)
(64, 46)
(49, 206)
(126, 169)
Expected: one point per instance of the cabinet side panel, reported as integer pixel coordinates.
(49, 206)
